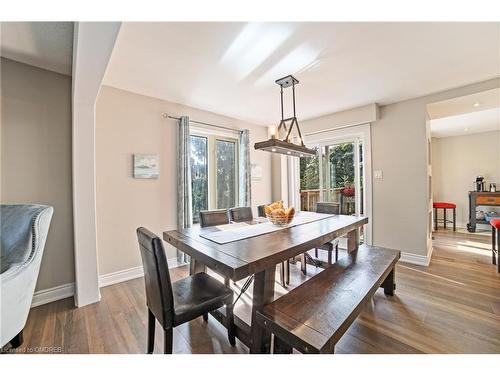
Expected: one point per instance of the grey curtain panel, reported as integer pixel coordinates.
(245, 191)
(184, 206)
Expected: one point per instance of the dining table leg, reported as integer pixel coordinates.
(353, 240)
(263, 293)
(196, 267)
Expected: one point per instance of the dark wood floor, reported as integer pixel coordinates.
(453, 306)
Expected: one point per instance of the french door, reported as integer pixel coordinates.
(340, 173)
(214, 172)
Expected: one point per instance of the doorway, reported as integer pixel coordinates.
(339, 173)
(464, 134)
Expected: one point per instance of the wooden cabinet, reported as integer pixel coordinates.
(488, 200)
(476, 199)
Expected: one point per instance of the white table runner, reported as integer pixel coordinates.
(239, 231)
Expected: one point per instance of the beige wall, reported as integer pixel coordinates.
(36, 157)
(399, 149)
(355, 116)
(129, 123)
(456, 161)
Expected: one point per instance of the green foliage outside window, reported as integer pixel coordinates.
(341, 166)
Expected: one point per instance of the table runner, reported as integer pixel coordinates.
(240, 231)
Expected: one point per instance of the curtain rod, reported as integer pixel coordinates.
(166, 115)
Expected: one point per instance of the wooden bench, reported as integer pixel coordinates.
(313, 317)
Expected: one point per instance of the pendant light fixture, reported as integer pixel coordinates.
(286, 146)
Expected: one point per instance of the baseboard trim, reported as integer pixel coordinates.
(129, 274)
(56, 293)
(120, 276)
(419, 260)
(44, 296)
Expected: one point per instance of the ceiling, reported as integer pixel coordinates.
(47, 45)
(466, 123)
(230, 68)
(480, 101)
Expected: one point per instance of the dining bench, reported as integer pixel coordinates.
(313, 317)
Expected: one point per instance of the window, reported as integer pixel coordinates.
(199, 175)
(214, 172)
(225, 159)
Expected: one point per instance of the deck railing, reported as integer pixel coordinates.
(309, 198)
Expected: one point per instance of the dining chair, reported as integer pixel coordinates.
(213, 217)
(323, 208)
(334, 209)
(210, 218)
(285, 266)
(173, 304)
(239, 214)
(261, 210)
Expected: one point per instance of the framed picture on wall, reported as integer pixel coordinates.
(146, 166)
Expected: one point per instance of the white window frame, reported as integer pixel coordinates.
(213, 135)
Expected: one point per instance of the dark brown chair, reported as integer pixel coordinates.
(328, 208)
(173, 304)
(285, 266)
(324, 208)
(261, 210)
(239, 214)
(213, 217)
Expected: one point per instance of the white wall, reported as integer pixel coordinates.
(92, 47)
(456, 161)
(128, 123)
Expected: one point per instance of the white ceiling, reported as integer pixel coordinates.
(47, 45)
(230, 68)
(467, 123)
(479, 101)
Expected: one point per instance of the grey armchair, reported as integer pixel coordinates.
(24, 229)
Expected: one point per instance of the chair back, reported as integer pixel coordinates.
(261, 210)
(327, 208)
(159, 296)
(213, 217)
(238, 214)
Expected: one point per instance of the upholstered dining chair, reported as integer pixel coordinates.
(239, 214)
(334, 209)
(261, 210)
(213, 217)
(285, 266)
(210, 218)
(24, 230)
(324, 208)
(173, 304)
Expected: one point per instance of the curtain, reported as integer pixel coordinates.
(184, 206)
(245, 188)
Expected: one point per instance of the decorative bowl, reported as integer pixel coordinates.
(280, 220)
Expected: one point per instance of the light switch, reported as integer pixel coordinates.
(378, 174)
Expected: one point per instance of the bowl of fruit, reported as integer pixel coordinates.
(278, 215)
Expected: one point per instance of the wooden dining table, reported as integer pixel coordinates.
(258, 256)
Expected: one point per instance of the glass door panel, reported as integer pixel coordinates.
(199, 175)
(226, 182)
(334, 175)
(309, 183)
(339, 176)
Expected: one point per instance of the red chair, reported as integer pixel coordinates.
(495, 242)
(444, 206)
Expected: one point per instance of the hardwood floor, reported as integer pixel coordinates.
(452, 306)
